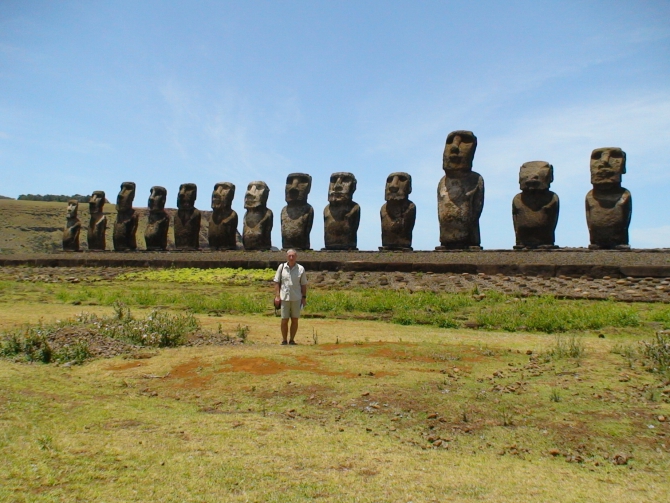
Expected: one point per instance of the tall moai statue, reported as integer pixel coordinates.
(460, 194)
(127, 219)
(398, 214)
(535, 209)
(297, 216)
(156, 233)
(97, 225)
(222, 232)
(342, 215)
(72, 227)
(608, 205)
(187, 219)
(258, 219)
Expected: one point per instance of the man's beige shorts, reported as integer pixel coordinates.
(290, 309)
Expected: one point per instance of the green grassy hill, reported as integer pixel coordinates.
(37, 226)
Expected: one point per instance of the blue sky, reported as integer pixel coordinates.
(161, 93)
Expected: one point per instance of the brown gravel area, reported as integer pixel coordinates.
(627, 289)
(561, 256)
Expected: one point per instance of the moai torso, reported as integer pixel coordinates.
(460, 194)
(72, 227)
(258, 219)
(398, 214)
(125, 226)
(342, 215)
(535, 209)
(608, 205)
(222, 231)
(297, 216)
(156, 233)
(187, 219)
(97, 225)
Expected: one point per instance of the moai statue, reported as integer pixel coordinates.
(97, 225)
(127, 218)
(72, 227)
(222, 231)
(460, 194)
(156, 233)
(608, 205)
(187, 219)
(342, 215)
(297, 216)
(535, 209)
(398, 214)
(258, 219)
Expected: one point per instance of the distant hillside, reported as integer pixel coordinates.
(54, 198)
(37, 226)
(5, 197)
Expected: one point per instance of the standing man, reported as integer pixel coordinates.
(291, 289)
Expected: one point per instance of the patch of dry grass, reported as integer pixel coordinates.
(374, 412)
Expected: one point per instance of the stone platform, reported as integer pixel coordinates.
(568, 262)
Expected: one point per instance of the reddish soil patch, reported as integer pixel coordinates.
(126, 366)
(188, 372)
(264, 366)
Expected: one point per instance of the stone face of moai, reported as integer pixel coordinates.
(187, 219)
(72, 227)
(97, 225)
(460, 194)
(608, 205)
(342, 215)
(258, 219)
(222, 230)
(156, 233)
(297, 216)
(535, 209)
(398, 215)
(127, 219)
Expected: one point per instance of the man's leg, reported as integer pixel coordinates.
(294, 328)
(284, 329)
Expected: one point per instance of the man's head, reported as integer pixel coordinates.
(72, 207)
(341, 188)
(459, 151)
(535, 176)
(607, 166)
(256, 195)
(124, 201)
(291, 257)
(157, 198)
(222, 196)
(188, 192)
(97, 201)
(298, 186)
(398, 186)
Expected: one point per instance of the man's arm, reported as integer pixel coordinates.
(303, 290)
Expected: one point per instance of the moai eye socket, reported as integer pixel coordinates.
(597, 154)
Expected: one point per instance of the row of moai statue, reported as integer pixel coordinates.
(460, 197)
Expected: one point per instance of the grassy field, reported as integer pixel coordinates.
(368, 407)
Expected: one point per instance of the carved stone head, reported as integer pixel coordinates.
(398, 186)
(459, 151)
(341, 188)
(124, 201)
(72, 207)
(535, 176)
(157, 198)
(222, 196)
(96, 202)
(188, 192)
(298, 186)
(257, 195)
(607, 166)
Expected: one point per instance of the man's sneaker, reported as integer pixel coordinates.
(284, 343)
